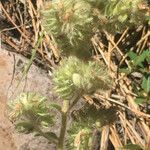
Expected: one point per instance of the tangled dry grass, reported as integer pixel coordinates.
(20, 31)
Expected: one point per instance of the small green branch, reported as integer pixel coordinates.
(74, 102)
(44, 135)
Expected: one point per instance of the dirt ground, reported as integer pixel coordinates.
(10, 72)
(6, 139)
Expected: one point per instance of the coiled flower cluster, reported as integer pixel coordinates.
(71, 22)
(29, 110)
(75, 77)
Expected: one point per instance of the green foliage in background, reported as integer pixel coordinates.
(85, 121)
(132, 147)
(121, 14)
(139, 68)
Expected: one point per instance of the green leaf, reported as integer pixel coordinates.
(141, 58)
(51, 136)
(148, 58)
(125, 70)
(122, 18)
(140, 100)
(132, 55)
(132, 147)
(24, 127)
(146, 84)
(147, 17)
(47, 120)
(56, 106)
(43, 114)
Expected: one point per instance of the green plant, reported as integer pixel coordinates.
(72, 23)
(31, 113)
(85, 121)
(131, 147)
(123, 14)
(116, 15)
(139, 64)
(144, 92)
(67, 19)
(75, 77)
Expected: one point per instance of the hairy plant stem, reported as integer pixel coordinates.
(65, 108)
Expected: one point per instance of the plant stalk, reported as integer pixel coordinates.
(65, 109)
(63, 124)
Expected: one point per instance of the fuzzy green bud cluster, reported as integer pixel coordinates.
(30, 109)
(71, 22)
(117, 15)
(75, 77)
(124, 13)
(74, 20)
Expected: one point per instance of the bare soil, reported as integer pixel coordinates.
(11, 66)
